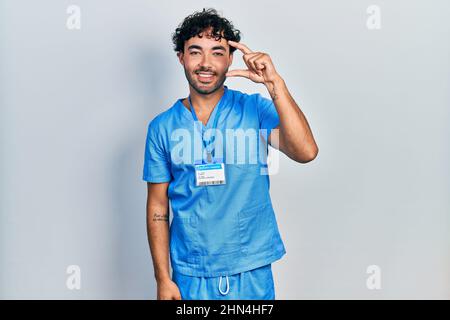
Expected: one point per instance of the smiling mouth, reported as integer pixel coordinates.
(205, 76)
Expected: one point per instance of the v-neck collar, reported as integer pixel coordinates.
(221, 103)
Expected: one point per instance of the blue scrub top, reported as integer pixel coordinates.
(216, 230)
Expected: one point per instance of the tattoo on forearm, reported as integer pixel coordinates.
(273, 94)
(160, 217)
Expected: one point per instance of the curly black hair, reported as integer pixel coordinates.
(194, 24)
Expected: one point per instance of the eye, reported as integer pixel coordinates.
(218, 53)
(194, 52)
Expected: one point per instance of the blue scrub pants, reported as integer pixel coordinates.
(256, 284)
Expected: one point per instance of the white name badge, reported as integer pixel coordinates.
(209, 174)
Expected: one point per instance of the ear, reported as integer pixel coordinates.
(231, 60)
(180, 57)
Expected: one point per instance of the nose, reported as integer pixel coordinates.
(205, 63)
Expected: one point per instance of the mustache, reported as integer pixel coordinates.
(204, 70)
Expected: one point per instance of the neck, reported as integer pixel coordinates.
(205, 102)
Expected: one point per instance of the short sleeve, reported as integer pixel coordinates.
(156, 162)
(267, 112)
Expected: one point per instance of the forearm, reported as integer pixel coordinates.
(295, 135)
(158, 238)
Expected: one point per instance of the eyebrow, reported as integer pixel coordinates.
(195, 46)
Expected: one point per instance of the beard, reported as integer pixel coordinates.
(197, 85)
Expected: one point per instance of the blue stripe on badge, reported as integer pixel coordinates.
(209, 167)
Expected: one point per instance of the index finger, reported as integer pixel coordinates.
(240, 46)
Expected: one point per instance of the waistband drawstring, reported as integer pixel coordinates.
(220, 286)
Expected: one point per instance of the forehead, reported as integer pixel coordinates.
(206, 41)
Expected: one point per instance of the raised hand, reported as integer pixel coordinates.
(260, 66)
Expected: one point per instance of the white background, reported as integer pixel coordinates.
(75, 105)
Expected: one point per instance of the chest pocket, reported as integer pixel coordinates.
(242, 172)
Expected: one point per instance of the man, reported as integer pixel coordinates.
(224, 235)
